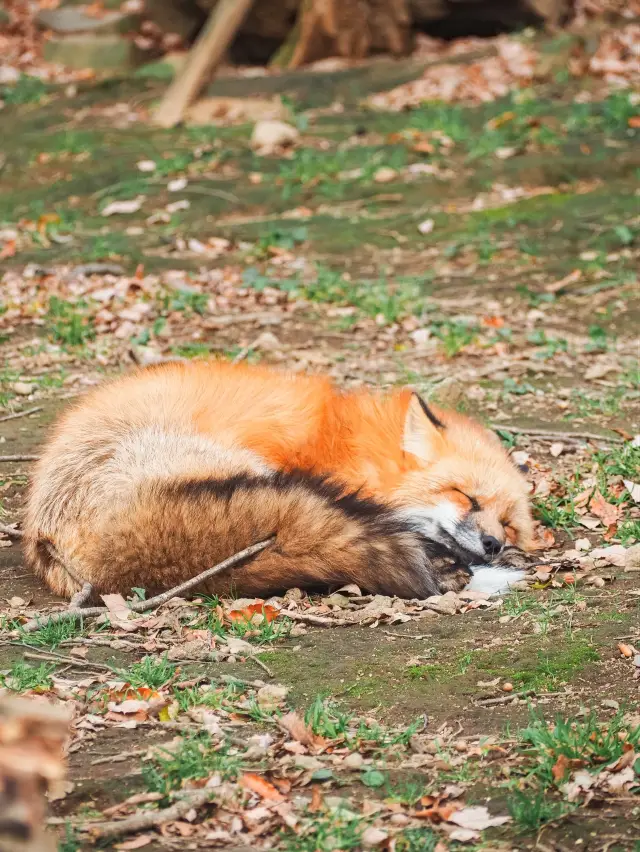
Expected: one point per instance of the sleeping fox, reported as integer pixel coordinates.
(157, 476)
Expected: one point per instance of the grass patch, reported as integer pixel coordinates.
(195, 757)
(52, 633)
(417, 840)
(531, 810)
(22, 677)
(152, 672)
(587, 740)
(338, 829)
(555, 667)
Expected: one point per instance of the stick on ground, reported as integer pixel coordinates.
(148, 819)
(18, 458)
(206, 54)
(6, 530)
(158, 600)
(554, 435)
(17, 414)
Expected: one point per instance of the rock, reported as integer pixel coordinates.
(270, 135)
(22, 388)
(632, 558)
(267, 342)
(385, 175)
(353, 760)
(373, 837)
(99, 52)
(72, 20)
(9, 75)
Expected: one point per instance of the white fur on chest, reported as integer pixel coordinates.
(493, 580)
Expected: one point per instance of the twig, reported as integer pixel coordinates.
(81, 597)
(554, 435)
(17, 414)
(509, 696)
(72, 661)
(18, 458)
(262, 665)
(142, 606)
(148, 819)
(158, 600)
(117, 758)
(11, 532)
(318, 620)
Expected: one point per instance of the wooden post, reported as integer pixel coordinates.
(32, 739)
(209, 49)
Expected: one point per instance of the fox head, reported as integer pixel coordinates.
(460, 486)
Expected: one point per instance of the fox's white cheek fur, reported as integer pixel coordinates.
(493, 580)
(445, 516)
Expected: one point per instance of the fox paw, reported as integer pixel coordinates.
(454, 578)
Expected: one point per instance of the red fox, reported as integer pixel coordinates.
(157, 476)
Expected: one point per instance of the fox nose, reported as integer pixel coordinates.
(491, 545)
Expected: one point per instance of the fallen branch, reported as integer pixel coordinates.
(317, 620)
(18, 458)
(17, 414)
(206, 54)
(158, 600)
(509, 696)
(554, 435)
(148, 819)
(10, 531)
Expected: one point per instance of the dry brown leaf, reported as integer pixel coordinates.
(263, 788)
(607, 512)
(300, 731)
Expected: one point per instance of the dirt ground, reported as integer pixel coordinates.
(487, 255)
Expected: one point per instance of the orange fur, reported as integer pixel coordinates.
(114, 458)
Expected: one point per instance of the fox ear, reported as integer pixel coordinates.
(421, 429)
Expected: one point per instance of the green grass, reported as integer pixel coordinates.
(196, 757)
(67, 323)
(555, 666)
(50, 633)
(150, 671)
(335, 831)
(417, 840)
(588, 740)
(326, 719)
(22, 677)
(264, 633)
(27, 90)
(531, 810)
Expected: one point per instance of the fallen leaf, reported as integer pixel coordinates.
(117, 207)
(476, 818)
(614, 555)
(248, 612)
(426, 227)
(556, 449)
(634, 489)
(625, 650)
(137, 842)
(300, 731)
(263, 788)
(607, 512)
(560, 767)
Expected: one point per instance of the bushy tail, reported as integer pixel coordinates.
(173, 529)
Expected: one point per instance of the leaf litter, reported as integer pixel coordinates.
(257, 769)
